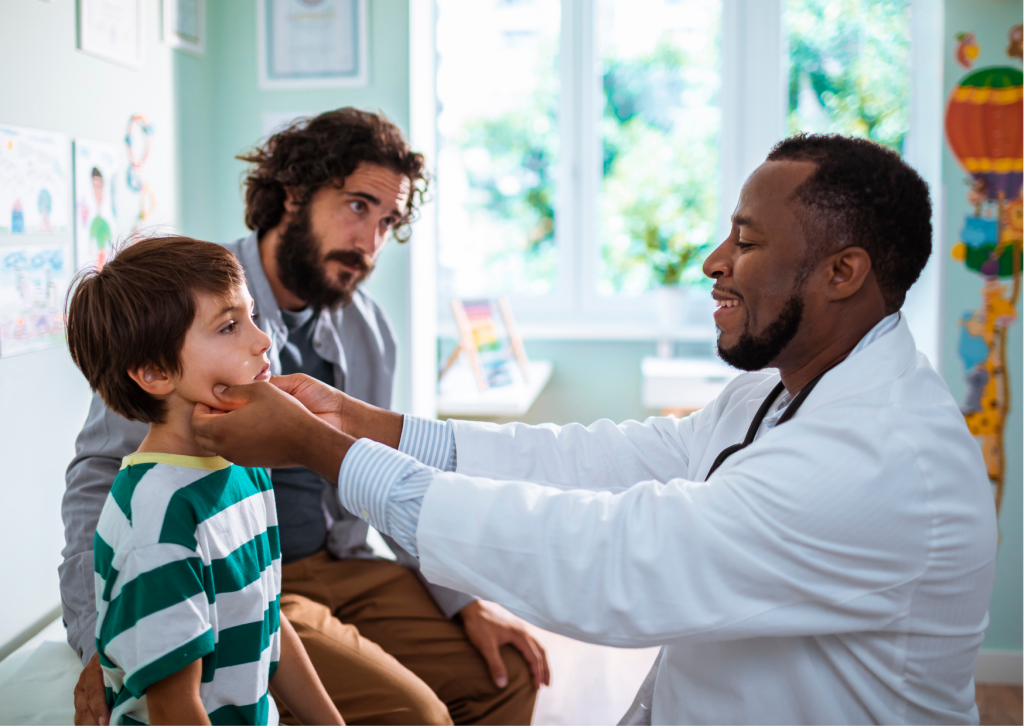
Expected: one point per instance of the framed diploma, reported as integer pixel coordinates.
(312, 43)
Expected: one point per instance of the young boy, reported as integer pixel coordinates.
(188, 562)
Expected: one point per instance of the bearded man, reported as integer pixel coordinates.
(322, 198)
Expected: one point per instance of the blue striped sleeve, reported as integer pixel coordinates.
(386, 488)
(429, 441)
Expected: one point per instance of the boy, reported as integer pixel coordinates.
(188, 563)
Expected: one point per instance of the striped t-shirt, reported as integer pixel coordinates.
(188, 566)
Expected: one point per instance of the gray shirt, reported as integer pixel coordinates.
(358, 344)
(302, 523)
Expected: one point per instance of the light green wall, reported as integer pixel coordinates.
(990, 20)
(221, 111)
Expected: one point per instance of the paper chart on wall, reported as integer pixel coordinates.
(105, 206)
(35, 182)
(33, 282)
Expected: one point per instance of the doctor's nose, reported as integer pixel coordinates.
(718, 263)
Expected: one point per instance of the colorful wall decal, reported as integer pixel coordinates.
(984, 131)
(966, 49)
(1016, 47)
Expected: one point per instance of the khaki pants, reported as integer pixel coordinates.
(387, 655)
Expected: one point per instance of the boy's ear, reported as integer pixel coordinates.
(152, 380)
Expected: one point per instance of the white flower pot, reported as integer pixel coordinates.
(670, 308)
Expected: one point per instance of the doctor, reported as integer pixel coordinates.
(817, 545)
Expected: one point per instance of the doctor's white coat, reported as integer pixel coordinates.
(838, 570)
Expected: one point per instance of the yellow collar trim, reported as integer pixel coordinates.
(207, 463)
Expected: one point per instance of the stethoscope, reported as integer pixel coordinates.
(759, 418)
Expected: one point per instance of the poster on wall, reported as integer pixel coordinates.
(312, 43)
(35, 182)
(105, 206)
(33, 282)
(109, 29)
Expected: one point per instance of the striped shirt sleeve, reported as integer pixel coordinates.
(429, 441)
(386, 488)
(156, 617)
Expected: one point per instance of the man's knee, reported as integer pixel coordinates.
(512, 704)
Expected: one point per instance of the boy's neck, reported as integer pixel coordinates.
(174, 435)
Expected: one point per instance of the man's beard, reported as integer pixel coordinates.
(752, 353)
(302, 269)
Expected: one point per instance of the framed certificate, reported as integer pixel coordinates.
(184, 25)
(312, 43)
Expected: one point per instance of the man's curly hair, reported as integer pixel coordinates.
(863, 194)
(325, 150)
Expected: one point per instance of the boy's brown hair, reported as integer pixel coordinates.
(136, 311)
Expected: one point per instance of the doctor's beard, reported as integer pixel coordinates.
(752, 353)
(300, 266)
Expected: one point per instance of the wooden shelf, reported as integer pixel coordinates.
(459, 395)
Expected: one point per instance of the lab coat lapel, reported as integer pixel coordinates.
(878, 364)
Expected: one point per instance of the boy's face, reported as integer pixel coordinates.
(223, 346)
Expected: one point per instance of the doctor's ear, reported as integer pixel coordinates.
(848, 269)
(152, 379)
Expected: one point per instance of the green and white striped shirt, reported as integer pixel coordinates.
(188, 566)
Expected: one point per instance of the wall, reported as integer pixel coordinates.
(990, 20)
(48, 84)
(222, 114)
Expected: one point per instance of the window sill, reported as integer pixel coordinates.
(600, 331)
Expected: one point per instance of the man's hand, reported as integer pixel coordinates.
(90, 696)
(349, 415)
(267, 427)
(489, 626)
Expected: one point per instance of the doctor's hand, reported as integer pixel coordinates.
(490, 626)
(264, 426)
(356, 418)
(91, 696)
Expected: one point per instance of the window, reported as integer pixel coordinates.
(498, 95)
(849, 68)
(590, 151)
(660, 123)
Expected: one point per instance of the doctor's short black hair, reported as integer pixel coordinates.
(314, 152)
(863, 194)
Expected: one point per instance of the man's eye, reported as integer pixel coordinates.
(357, 206)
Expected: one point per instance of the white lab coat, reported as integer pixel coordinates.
(838, 570)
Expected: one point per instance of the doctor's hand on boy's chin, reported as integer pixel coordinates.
(349, 415)
(264, 426)
(323, 401)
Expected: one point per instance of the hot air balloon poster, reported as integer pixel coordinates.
(984, 131)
